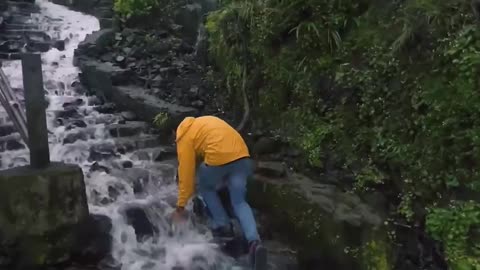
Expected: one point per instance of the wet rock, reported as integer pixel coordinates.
(41, 216)
(128, 116)
(102, 76)
(148, 265)
(113, 192)
(137, 177)
(147, 106)
(292, 152)
(324, 219)
(79, 88)
(7, 130)
(198, 104)
(266, 145)
(94, 242)
(127, 129)
(96, 167)
(95, 43)
(159, 48)
(76, 123)
(158, 81)
(156, 154)
(108, 57)
(107, 108)
(12, 145)
(140, 222)
(127, 144)
(120, 59)
(165, 153)
(102, 151)
(73, 137)
(93, 100)
(59, 45)
(271, 168)
(68, 113)
(138, 187)
(127, 164)
(189, 18)
(71, 105)
(193, 92)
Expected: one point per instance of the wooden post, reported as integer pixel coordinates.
(35, 107)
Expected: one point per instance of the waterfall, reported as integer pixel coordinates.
(119, 157)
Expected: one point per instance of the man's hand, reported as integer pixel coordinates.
(179, 215)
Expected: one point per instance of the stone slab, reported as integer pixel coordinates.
(40, 212)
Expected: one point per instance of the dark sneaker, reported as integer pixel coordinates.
(258, 256)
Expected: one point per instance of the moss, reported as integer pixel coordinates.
(316, 231)
(376, 255)
(41, 214)
(465, 264)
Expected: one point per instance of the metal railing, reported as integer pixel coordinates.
(31, 124)
(11, 104)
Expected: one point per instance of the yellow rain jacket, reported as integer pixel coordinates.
(206, 137)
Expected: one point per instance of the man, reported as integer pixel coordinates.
(225, 156)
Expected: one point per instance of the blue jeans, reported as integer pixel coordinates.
(210, 178)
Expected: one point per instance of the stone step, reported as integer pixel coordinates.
(68, 113)
(18, 46)
(128, 129)
(10, 56)
(23, 6)
(107, 149)
(156, 154)
(19, 19)
(84, 133)
(35, 35)
(5, 37)
(21, 3)
(7, 129)
(23, 12)
(71, 123)
(19, 26)
(130, 144)
(11, 142)
(106, 108)
(11, 46)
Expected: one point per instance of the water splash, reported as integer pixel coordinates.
(164, 250)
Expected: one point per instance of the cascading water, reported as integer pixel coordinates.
(110, 192)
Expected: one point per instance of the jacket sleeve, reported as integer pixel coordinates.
(186, 171)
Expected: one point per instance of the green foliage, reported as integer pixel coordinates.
(458, 227)
(389, 91)
(160, 120)
(129, 8)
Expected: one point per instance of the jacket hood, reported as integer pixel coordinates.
(184, 127)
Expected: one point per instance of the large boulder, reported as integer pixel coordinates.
(93, 241)
(109, 81)
(95, 43)
(191, 15)
(133, 98)
(40, 213)
(332, 229)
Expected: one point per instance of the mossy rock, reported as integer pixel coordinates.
(329, 227)
(40, 213)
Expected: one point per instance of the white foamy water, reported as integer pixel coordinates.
(164, 250)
